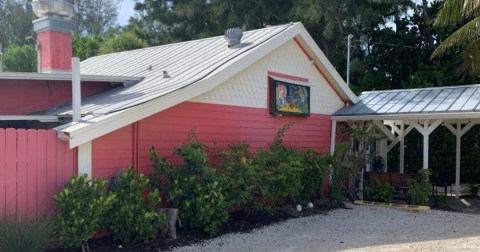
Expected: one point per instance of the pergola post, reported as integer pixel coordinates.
(458, 132)
(402, 147)
(425, 130)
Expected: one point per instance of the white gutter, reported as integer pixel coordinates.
(444, 115)
(41, 118)
(65, 77)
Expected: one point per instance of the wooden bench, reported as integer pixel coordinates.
(396, 180)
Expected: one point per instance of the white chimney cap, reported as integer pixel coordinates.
(53, 8)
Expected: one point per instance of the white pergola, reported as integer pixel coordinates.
(396, 113)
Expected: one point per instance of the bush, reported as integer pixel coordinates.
(195, 188)
(315, 168)
(279, 175)
(472, 190)
(80, 210)
(240, 175)
(379, 191)
(133, 217)
(31, 234)
(419, 188)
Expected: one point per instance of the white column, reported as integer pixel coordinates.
(425, 150)
(85, 159)
(457, 160)
(333, 137)
(402, 147)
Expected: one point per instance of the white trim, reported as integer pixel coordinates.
(91, 127)
(421, 116)
(65, 77)
(41, 118)
(333, 137)
(85, 159)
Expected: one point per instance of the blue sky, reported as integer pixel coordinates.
(126, 11)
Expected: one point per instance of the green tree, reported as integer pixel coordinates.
(15, 22)
(85, 47)
(123, 42)
(465, 13)
(95, 17)
(20, 59)
(167, 21)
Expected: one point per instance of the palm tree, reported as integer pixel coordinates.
(467, 37)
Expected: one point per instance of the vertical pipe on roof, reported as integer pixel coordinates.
(76, 90)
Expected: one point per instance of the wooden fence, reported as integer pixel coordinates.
(34, 166)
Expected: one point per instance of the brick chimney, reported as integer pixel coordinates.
(54, 30)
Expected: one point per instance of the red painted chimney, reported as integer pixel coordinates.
(54, 34)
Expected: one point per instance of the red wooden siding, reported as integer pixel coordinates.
(34, 165)
(222, 125)
(20, 97)
(215, 124)
(113, 152)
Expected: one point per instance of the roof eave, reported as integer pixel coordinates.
(65, 77)
(410, 116)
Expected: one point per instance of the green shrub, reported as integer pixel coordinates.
(472, 190)
(196, 189)
(379, 191)
(133, 216)
(279, 175)
(240, 175)
(315, 168)
(419, 188)
(339, 171)
(80, 210)
(30, 234)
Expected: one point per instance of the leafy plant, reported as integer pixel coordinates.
(240, 175)
(30, 234)
(80, 209)
(195, 188)
(339, 171)
(279, 175)
(133, 216)
(379, 191)
(315, 169)
(419, 188)
(472, 189)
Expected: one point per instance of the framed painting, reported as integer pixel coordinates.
(289, 99)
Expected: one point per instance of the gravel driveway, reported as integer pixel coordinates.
(362, 228)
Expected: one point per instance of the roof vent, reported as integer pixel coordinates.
(233, 36)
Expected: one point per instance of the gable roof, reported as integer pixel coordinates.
(193, 68)
(454, 102)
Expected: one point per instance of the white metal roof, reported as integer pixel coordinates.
(453, 102)
(65, 77)
(193, 68)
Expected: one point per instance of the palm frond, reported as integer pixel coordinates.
(471, 8)
(469, 59)
(450, 13)
(460, 38)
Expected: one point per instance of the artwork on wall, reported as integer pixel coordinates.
(289, 99)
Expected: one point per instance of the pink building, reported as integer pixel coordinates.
(155, 96)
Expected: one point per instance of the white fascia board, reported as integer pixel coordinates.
(41, 118)
(434, 116)
(327, 66)
(64, 77)
(91, 128)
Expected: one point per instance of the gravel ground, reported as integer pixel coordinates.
(361, 228)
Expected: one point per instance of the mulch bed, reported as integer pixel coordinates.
(239, 222)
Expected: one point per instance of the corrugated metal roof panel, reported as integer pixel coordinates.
(416, 101)
(185, 63)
